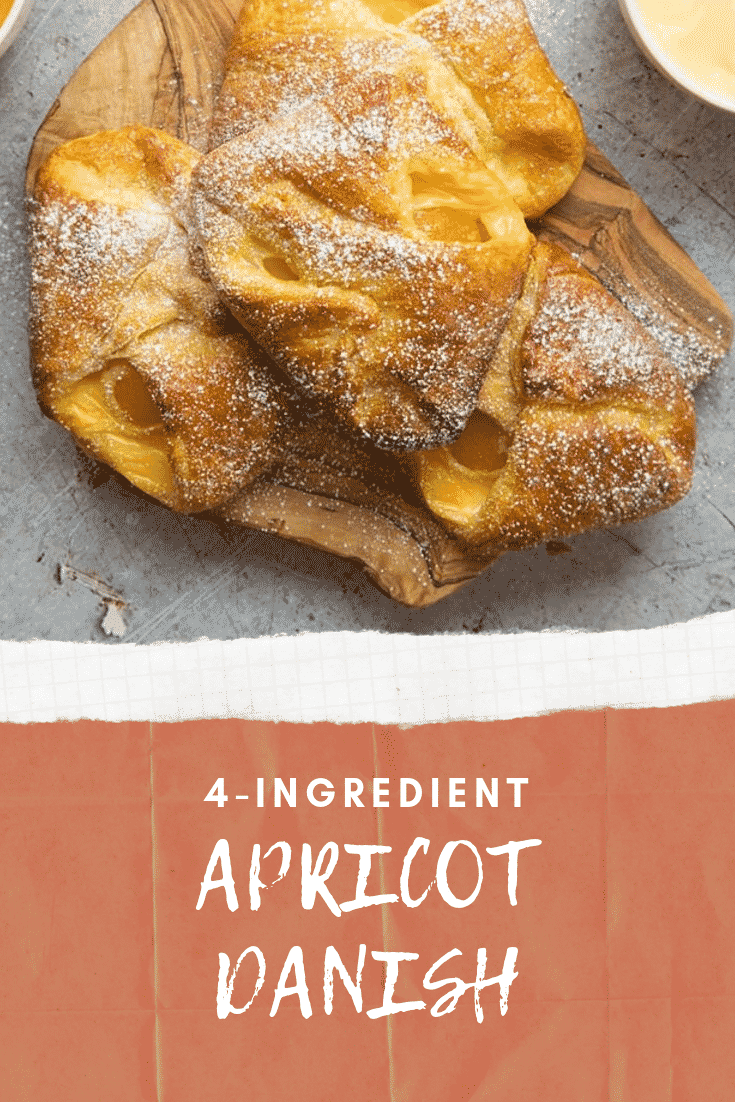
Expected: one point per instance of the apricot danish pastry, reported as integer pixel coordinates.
(362, 212)
(314, 247)
(477, 62)
(129, 343)
(581, 422)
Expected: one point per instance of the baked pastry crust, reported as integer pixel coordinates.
(129, 342)
(306, 238)
(478, 62)
(361, 212)
(581, 423)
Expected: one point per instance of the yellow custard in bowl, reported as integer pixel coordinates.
(13, 15)
(691, 41)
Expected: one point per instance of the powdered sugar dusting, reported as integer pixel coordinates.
(394, 328)
(604, 428)
(115, 303)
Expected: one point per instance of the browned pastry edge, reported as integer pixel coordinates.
(478, 61)
(385, 305)
(130, 347)
(583, 422)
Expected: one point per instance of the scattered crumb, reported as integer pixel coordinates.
(113, 621)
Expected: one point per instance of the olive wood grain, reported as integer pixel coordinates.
(162, 66)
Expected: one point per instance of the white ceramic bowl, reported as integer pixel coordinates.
(667, 65)
(13, 22)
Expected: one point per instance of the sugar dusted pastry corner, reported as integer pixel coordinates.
(129, 344)
(581, 422)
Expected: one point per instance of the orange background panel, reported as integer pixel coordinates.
(624, 924)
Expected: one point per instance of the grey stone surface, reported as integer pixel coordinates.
(184, 578)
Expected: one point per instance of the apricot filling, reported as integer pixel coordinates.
(395, 11)
(113, 414)
(448, 211)
(457, 481)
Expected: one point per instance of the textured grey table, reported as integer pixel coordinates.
(184, 578)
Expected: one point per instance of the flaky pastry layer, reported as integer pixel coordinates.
(129, 343)
(477, 62)
(581, 422)
(378, 274)
(362, 211)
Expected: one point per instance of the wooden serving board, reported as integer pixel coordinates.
(162, 66)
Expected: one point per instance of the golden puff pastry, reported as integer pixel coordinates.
(477, 62)
(581, 422)
(378, 274)
(130, 346)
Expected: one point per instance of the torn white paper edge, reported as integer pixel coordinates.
(348, 677)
